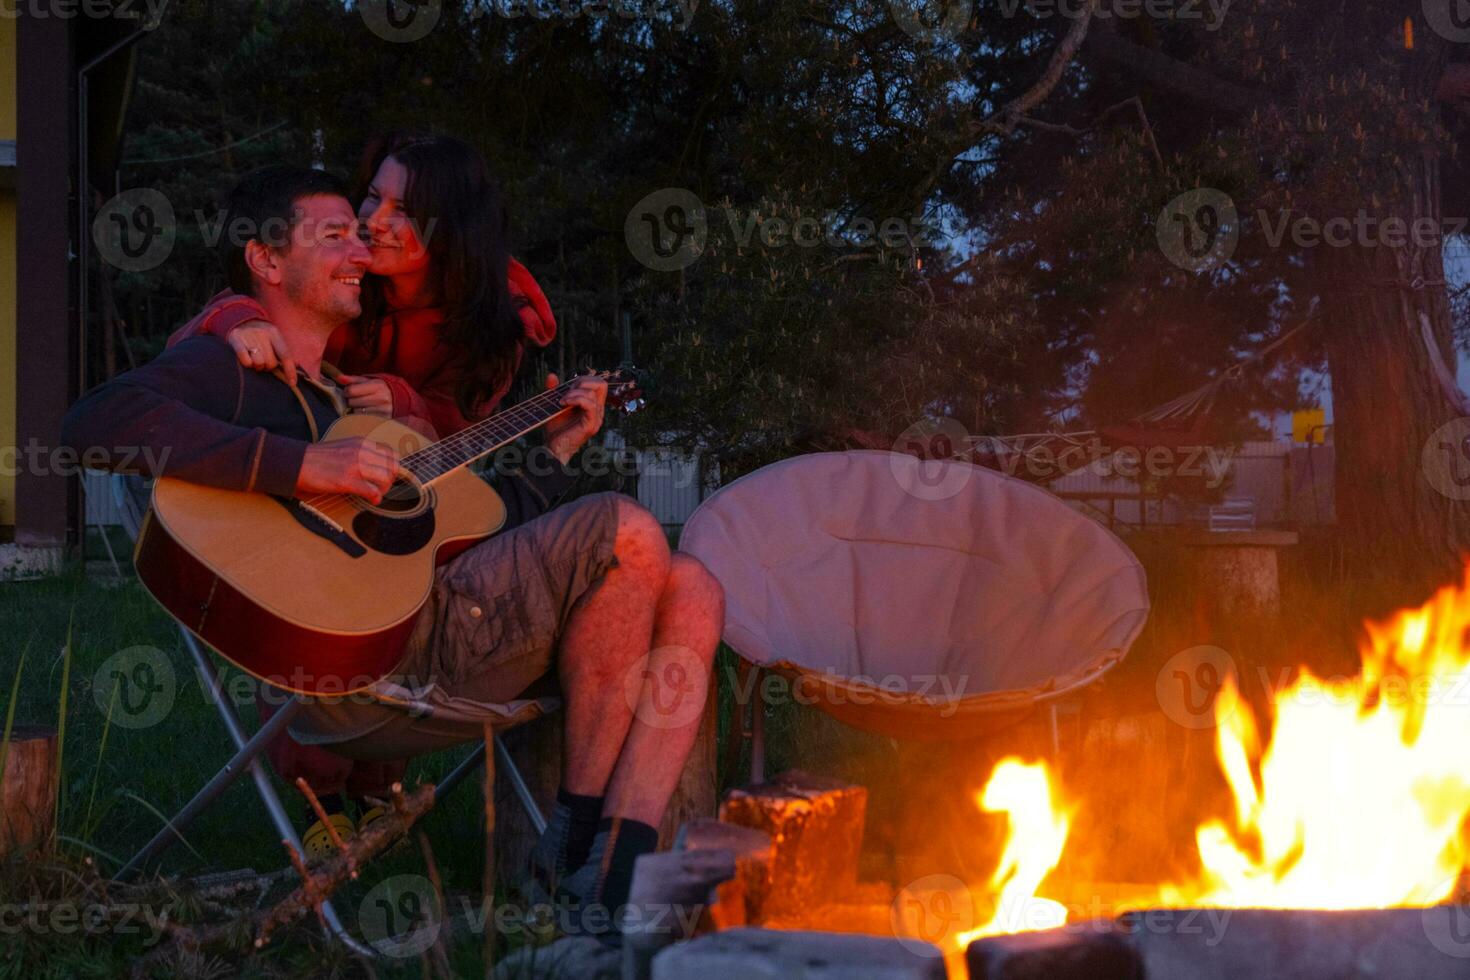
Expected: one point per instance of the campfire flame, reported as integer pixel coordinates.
(1038, 833)
(1359, 800)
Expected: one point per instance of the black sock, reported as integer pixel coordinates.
(564, 845)
(607, 876)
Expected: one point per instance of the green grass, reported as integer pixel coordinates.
(119, 782)
(116, 783)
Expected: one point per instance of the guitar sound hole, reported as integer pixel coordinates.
(402, 497)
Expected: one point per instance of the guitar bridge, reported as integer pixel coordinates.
(321, 525)
(321, 517)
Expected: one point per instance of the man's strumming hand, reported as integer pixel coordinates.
(355, 465)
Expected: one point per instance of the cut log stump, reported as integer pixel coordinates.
(28, 789)
(816, 827)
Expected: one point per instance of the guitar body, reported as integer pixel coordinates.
(318, 600)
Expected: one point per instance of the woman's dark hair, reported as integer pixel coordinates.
(459, 213)
(263, 207)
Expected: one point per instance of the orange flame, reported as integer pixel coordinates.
(1038, 833)
(1364, 788)
(1359, 800)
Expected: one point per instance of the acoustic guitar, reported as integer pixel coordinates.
(319, 595)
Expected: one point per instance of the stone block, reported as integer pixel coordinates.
(743, 954)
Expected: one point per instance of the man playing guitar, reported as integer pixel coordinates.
(587, 594)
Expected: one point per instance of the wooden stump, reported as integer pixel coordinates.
(28, 789)
(536, 749)
(697, 794)
(815, 824)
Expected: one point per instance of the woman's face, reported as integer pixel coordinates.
(396, 245)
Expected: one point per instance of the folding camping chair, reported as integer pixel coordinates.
(131, 495)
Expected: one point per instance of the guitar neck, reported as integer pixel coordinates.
(487, 435)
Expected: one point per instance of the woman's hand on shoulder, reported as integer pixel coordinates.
(260, 347)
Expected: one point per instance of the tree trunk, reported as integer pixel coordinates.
(28, 789)
(1404, 528)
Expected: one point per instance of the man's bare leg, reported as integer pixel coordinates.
(690, 616)
(608, 635)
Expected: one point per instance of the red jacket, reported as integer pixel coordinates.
(422, 373)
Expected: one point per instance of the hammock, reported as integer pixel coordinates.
(1180, 423)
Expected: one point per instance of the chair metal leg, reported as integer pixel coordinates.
(473, 761)
(222, 780)
(210, 680)
(523, 792)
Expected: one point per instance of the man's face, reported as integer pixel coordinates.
(322, 266)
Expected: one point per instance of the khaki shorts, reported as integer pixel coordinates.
(484, 647)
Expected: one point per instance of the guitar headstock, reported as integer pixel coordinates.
(622, 389)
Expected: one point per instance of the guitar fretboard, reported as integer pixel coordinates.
(487, 435)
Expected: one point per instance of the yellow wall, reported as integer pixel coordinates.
(7, 276)
(7, 77)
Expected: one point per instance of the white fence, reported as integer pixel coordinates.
(1289, 484)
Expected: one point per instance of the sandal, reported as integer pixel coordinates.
(317, 841)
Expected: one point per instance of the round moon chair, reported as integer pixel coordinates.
(913, 598)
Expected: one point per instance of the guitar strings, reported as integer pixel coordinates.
(342, 504)
(458, 448)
